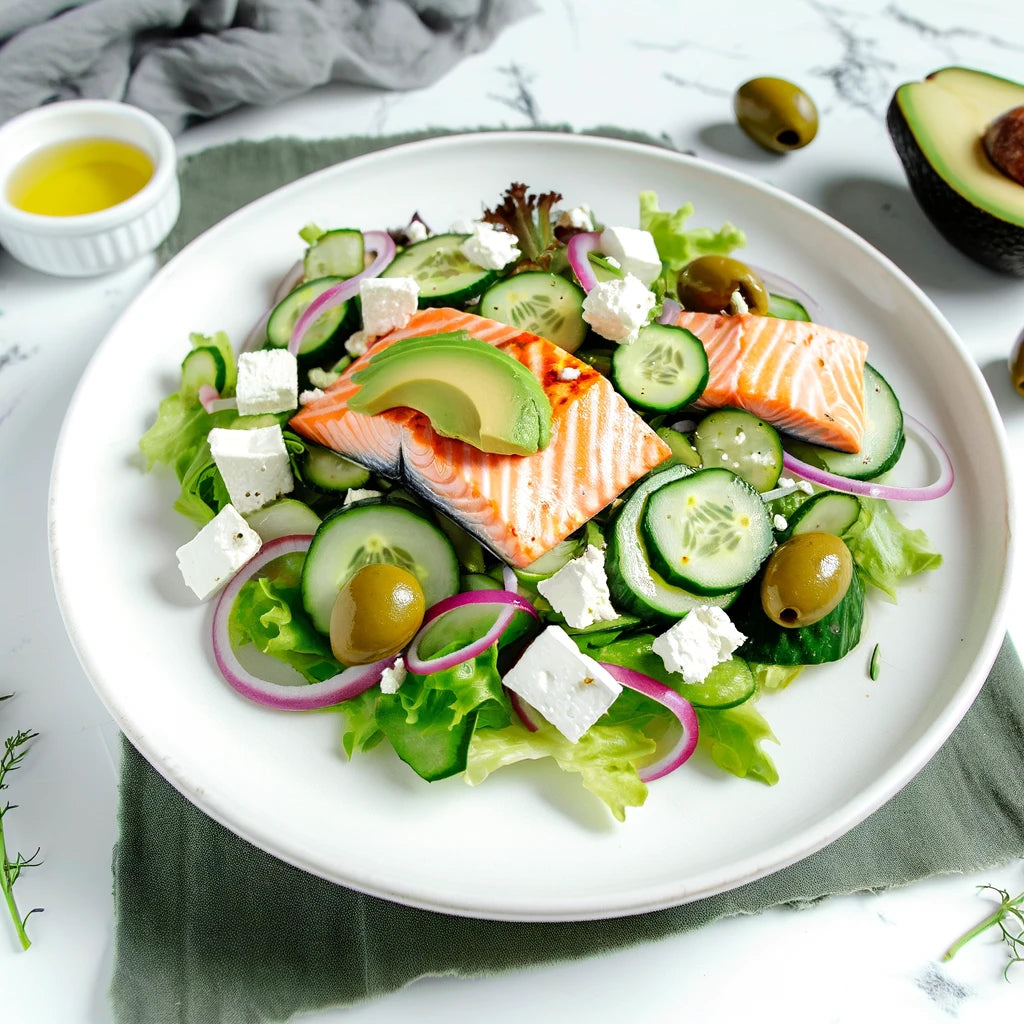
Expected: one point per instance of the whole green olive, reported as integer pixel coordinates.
(707, 285)
(776, 114)
(376, 613)
(805, 578)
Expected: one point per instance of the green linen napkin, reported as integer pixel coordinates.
(211, 929)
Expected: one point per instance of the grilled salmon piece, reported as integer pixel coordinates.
(804, 379)
(518, 505)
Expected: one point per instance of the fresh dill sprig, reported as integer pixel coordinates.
(14, 751)
(1010, 919)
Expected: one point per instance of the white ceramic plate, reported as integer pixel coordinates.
(530, 843)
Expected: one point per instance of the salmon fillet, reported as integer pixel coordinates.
(804, 379)
(520, 506)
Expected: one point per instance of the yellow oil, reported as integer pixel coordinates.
(79, 176)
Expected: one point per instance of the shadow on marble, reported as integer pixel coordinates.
(888, 216)
(727, 137)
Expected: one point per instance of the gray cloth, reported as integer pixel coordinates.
(188, 59)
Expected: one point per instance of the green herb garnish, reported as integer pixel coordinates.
(1007, 911)
(15, 748)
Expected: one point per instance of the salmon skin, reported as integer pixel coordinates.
(804, 379)
(519, 506)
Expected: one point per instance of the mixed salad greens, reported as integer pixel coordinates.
(440, 698)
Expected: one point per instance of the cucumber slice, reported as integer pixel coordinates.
(539, 302)
(434, 753)
(787, 309)
(283, 518)
(635, 585)
(664, 369)
(358, 535)
(826, 512)
(204, 365)
(445, 276)
(883, 436)
(338, 253)
(551, 561)
(683, 453)
(737, 440)
(708, 532)
(327, 471)
(324, 337)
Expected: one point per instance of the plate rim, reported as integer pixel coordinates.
(868, 799)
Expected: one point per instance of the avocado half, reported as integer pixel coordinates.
(937, 126)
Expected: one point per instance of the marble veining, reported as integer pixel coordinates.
(521, 99)
(946, 993)
(943, 37)
(13, 354)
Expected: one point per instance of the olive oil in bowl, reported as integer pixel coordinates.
(79, 176)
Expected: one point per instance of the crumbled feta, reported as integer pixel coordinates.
(569, 373)
(737, 304)
(579, 590)
(393, 677)
(617, 309)
(360, 494)
(490, 247)
(416, 231)
(779, 522)
(580, 217)
(310, 396)
(571, 690)
(355, 345)
(268, 381)
(387, 303)
(698, 642)
(460, 226)
(805, 485)
(634, 249)
(787, 481)
(254, 465)
(217, 552)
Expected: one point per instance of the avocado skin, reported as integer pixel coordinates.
(987, 239)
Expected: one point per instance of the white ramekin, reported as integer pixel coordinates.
(89, 243)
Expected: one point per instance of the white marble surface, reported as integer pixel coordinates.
(661, 67)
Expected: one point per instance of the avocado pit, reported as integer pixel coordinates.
(1004, 143)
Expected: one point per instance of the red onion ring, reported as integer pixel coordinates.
(505, 599)
(383, 245)
(890, 492)
(522, 709)
(780, 286)
(670, 310)
(578, 250)
(343, 686)
(678, 705)
(210, 400)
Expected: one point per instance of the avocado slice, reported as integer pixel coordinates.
(470, 390)
(938, 126)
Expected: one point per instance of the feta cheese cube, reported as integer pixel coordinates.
(698, 642)
(617, 309)
(268, 381)
(253, 463)
(579, 590)
(217, 552)
(392, 678)
(779, 522)
(387, 302)
(571, 690)
(635, 251)
(579, 217)
(490, 247)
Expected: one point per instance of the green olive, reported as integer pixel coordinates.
(776, 114)
(707, 284)
(376, 613)
(805, 578)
